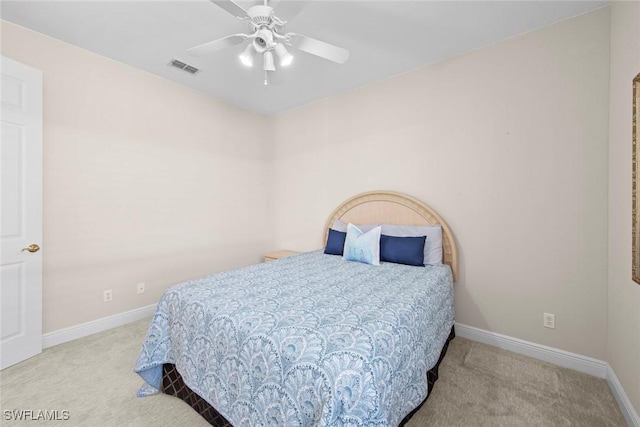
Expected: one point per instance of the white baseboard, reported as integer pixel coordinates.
(78, 331)
(626, 407)
(588, 365)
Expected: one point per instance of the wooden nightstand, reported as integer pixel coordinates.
(272, 256)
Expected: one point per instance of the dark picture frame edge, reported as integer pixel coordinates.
(635, 218)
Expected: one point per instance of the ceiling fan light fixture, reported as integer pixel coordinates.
(285, 57)
(266, 33)
(268, 61)
(246, 57)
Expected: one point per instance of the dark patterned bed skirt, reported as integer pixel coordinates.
(173, 385)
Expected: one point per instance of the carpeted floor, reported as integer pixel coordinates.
(92, 378)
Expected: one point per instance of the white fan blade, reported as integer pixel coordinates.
(321, 49)
(231, 7)
(288, 10)
(216, 45)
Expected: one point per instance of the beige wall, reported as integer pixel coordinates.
(144, 181)
(509, 144)
(623, 338)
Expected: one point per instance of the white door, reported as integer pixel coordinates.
(20, 212)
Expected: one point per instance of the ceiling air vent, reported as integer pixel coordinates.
(184, 67)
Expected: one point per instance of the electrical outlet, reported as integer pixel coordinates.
(549, 320)
(108, 295)
(140, 288)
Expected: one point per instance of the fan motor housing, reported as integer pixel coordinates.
(260, 15)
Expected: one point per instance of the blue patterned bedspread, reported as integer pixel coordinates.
(309, 340)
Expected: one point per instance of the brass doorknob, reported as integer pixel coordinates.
(32, 248)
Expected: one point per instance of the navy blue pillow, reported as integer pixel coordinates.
(402, 250)
(335, 242)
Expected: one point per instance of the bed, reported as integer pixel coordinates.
(312, 339)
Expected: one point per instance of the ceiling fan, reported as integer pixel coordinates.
(267, 34)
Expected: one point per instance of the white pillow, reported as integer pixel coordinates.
(432, 244)
(342, 226)
(362, 247)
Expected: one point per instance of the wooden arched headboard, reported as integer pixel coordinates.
(389, 207)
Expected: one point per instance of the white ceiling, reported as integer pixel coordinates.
(385, 38)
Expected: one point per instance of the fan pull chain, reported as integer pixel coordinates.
(266, 78)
